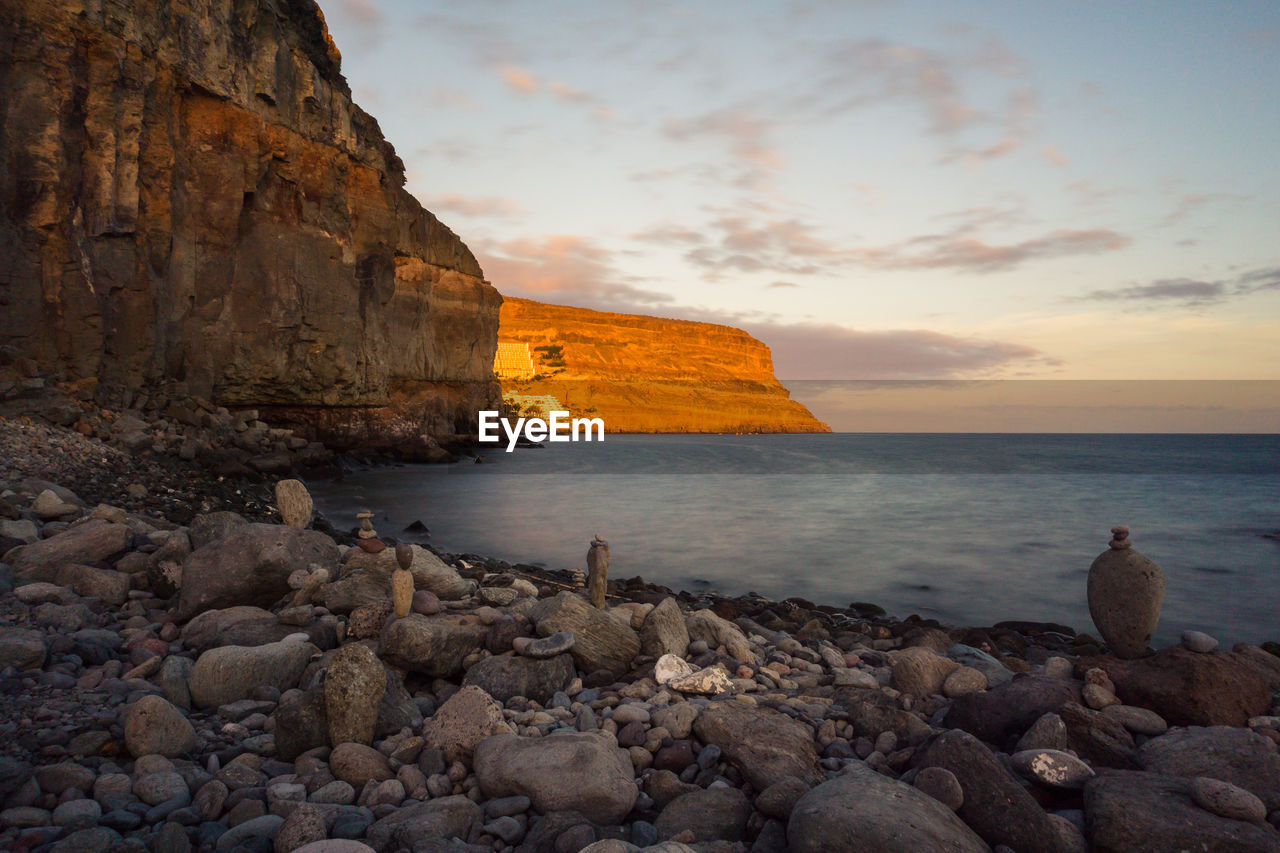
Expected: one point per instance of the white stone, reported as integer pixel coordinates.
(669, 667)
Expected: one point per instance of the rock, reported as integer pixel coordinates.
(1149, 813)
(90, 541)
(861, 811)
(1052, 768)
(917, 671)
(711, 629)
(710, 681)
(401, 591)
(715, 814)
(1198, 641)
(265, 826)
(670, 666)
(302, 826)
(497, 596)
(941, 784)
(1126, 591)
(22, 648)
(763, 744)
(663, 631)
(335, 845)
(600, 642)
(466, 718)
(964, 680)
(294, 502)
(353, 687)
(1003, 713)
(995, 805)
(413, 827)
(1048, 732)
(228, 673)
(356, 764)
(112, 587)
(243, 625)
(558, 643)
(212, 526)
(250, 566)
(871, 712)
(369, 575)
(996, 673)
(777, 800)
(154, 726)
(1239, 756)
(369, 620)
(676, 719)
(584, 772)
(48, 505)
(1188, 688)
(159, 787)
(505, 676)
(432, 645)
(1098, 739)
(301, 723)
(1221, 798)
(1140, 721)
(597, 572)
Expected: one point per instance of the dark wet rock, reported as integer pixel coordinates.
(1138, 812)
(861, 811)
(765, 745)
(1002, 714)
(1101, 740)
(1239, 756)
(505, 676)
(600, 641)
(710, 815)
(432, 645)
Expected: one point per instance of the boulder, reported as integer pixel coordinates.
(581, 771)
(663, 631)
(765, 745)
(713, 814)
(872, 712)
(1052, 768)
(250, 566)
(212, 526)
(1137, 812)
(356, 764)
(1125, 591)
(919, 672)
(600, 642)
(152, 726)
(294, 502)
(1001, 715)
(354, 685)
(1101, 740)
(366, 579)
(504, 676)
(90, 541)
(243, 625)
(301, 723)
(715, 632)
(1239, 756)
(1188, 688)
(995, 805)
(229, 673)
(109, 586)
(22, 648)
(432, 645)
(466, 718)
(861, 811)
(415, 827)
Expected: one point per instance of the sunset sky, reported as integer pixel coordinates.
(874, 189)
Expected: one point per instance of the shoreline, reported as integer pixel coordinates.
(171, 676)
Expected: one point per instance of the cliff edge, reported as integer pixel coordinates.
(191, 205)
(649, 374)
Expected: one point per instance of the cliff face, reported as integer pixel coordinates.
(647, 374)
(191, 204)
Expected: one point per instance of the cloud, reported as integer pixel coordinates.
(1190, 204)
(566, 269)
(519, 80)
(957, 250)
(746, 134)
(781, 284)
(829, 351)
(736, 243)
(494, 207)
(1053, 155)
(1190, 292)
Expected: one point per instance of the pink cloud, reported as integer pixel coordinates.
(519, 80)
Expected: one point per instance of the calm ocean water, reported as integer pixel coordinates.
(970, 529)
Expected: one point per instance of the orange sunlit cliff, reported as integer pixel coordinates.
(646, 374)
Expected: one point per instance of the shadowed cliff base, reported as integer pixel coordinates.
(644, 374)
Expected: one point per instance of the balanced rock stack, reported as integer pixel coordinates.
(503, 712)
(1126, 591)
(597, 571)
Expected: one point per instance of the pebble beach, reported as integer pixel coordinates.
(192, 659)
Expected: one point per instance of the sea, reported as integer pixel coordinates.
(970, 529)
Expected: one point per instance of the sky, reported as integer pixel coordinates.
(876, 190)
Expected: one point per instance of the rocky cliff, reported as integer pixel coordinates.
(191, 205)
(647, 374)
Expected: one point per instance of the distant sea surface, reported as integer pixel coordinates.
(969, 529)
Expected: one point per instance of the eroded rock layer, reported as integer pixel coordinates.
(650, 374)
(191, 204)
